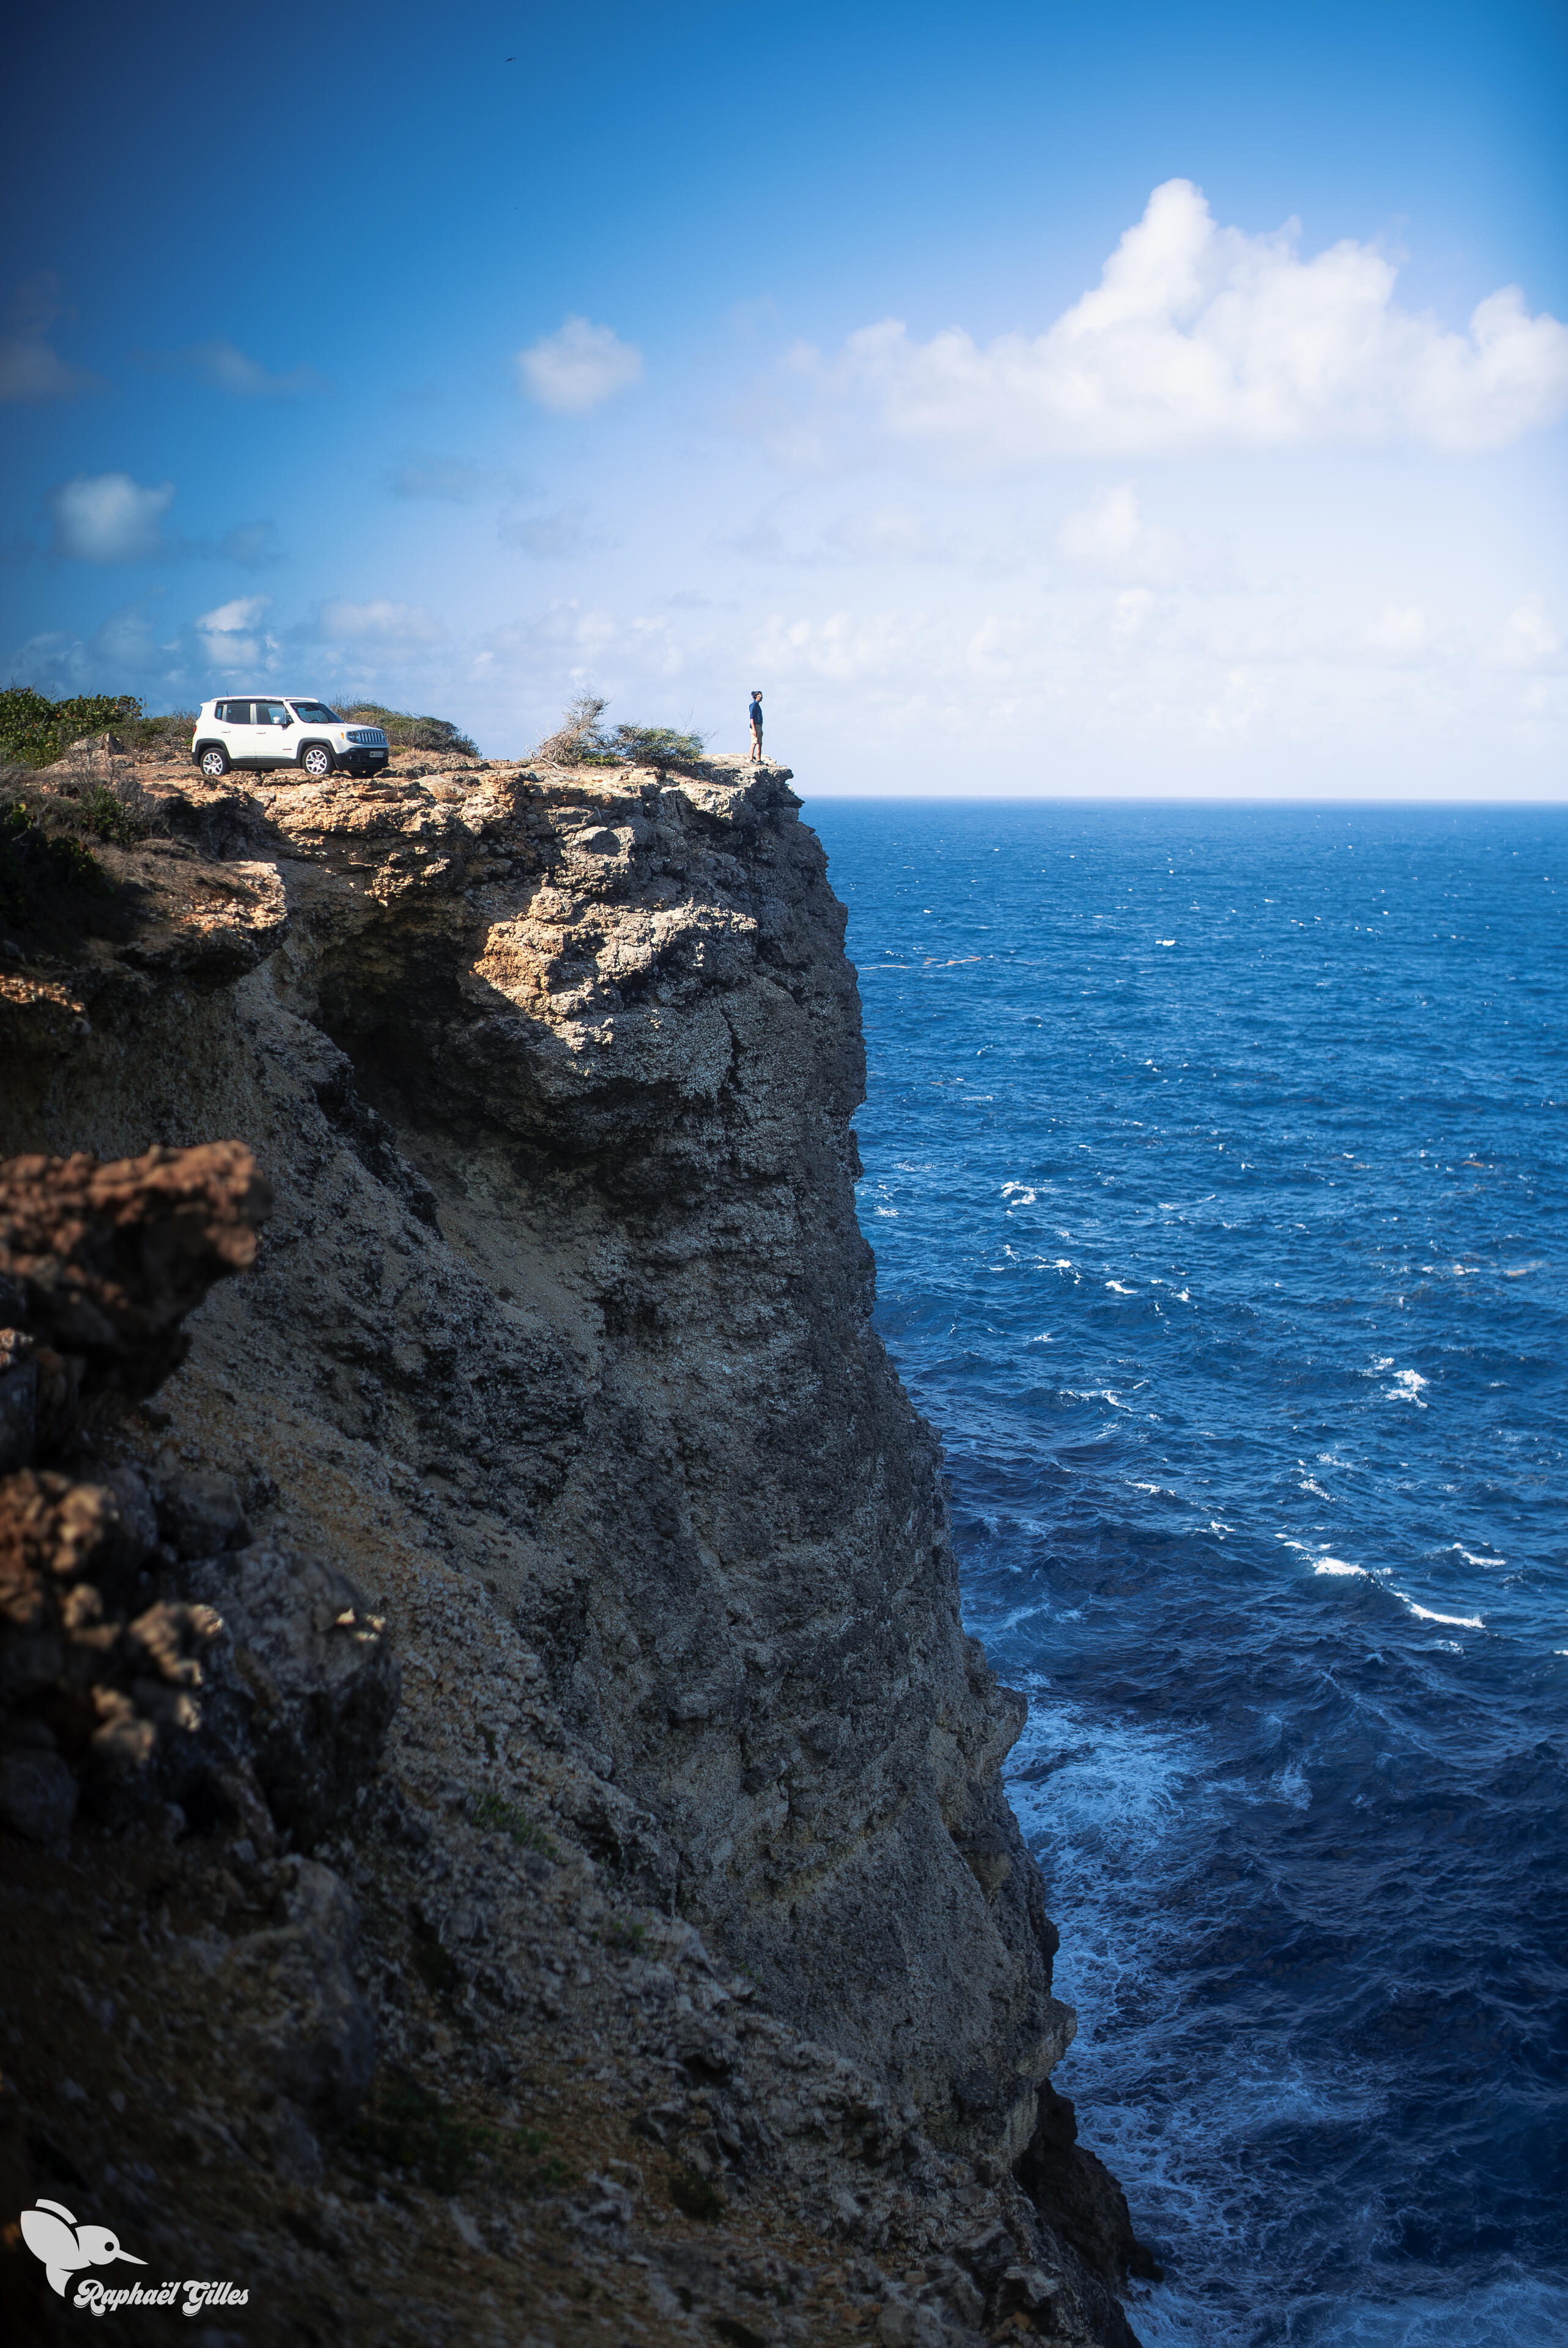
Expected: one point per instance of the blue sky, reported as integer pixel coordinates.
(1025, 398)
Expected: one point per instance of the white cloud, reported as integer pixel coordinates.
(252, 544)
(1400, 633)
(378, 622)
(30, 366)
(577, 367)
(226, 367)
(1109, 537)
(875, 647)
(230, 635)
(234, 618)
(889, 533)
(1529, 639)
(1196, 337)
(108, 517)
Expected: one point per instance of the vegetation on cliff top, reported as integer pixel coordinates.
(405, 731)
(35, 732)
(583, 739)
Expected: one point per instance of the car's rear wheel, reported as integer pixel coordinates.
(215, 763)
(317, 760)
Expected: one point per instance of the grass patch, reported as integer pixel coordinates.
(495, 1815)
(408, 2127)
(624, 1932)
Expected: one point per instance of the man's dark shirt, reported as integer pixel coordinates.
(755, 714)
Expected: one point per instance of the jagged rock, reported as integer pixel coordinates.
(1077, 2195)
(307, 2036)
(202, 1514)
(319, 1673)
(562, 1335)
(101, 1262)
(904, 2324)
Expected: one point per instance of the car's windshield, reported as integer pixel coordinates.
(315, 713)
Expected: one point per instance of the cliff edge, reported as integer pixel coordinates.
(556, 1357)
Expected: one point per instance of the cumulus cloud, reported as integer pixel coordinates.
(1527, 639)
(577, 367)
(108, 517)
(1109, 537)
(378, 622)
(1197, 336)
(231, 637)
(226, 367)
(30, 366)
(235, 617)
(1401, 632)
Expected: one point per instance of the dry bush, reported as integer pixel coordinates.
(583, 739)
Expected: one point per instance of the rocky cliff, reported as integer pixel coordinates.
(553, 1383)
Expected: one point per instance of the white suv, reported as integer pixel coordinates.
(260, 734)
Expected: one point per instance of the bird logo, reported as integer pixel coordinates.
(52, 2234)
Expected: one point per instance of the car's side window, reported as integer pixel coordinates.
(236, 713)
(271, 713)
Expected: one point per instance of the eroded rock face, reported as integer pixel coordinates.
(319, 1673)
(552, 1076)
(101, 1264)
(117, 1676)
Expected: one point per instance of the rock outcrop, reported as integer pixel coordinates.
(554, 1369)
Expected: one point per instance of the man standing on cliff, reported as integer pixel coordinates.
(755, 714)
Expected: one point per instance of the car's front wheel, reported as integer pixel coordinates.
(317, 760)
(215, 764)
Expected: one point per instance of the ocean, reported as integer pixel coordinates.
(1215, 1165)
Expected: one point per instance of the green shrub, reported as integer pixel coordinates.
(170, 731)
(407, 731)
(407, 2127)
(581, 739)
(106, 814)
(35, 732)
(490, 1812)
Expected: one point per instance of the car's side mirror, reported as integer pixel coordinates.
(285, 721)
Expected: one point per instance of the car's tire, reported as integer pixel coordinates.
(214, 762)
(317, 760)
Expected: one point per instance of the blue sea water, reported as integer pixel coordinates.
(1215, 1165)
